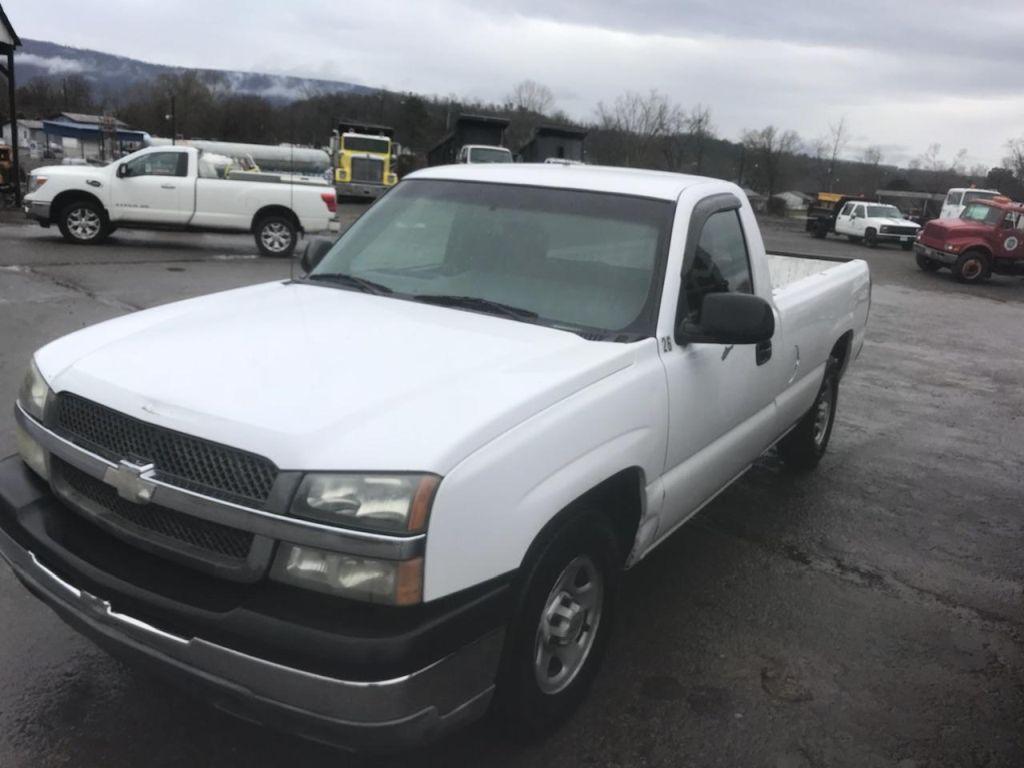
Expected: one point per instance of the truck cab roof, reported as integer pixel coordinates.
(595, 178)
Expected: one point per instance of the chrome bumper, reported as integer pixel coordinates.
(357, 189)
(934, 254)
(377, 715)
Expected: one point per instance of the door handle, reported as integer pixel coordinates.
(167, 186)
(763, 352)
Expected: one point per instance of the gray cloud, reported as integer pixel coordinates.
(905, 74)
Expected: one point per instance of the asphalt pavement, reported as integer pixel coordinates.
(869, 614)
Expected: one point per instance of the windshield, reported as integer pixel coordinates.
(366, 144)
(584, 261)
(489, 155)
(977, 194)
(982, 212)
(884, 212)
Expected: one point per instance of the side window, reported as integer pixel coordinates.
(860, 211)
(158, 164)
(720, 264)
(846, 209)
(954, 198)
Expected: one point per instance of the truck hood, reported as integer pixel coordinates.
(71, 171)
(943, 230)
(886, 222)
(314, 377)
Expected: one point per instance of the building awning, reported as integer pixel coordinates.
(79, 131)
(9, 39)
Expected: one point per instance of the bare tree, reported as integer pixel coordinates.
(766, 149)
(838, 137)
(639, 121)
(531, 96)
(1015, 159)
(872, 155)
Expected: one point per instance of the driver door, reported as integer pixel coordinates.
(721, 397)
(843, 220)
(154, 188)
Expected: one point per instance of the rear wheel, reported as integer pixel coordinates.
(276, 236)
(83, 222)
(971, 267)
(926, 264)
(820, 229)
(804, 446)
(561, 627)
(870, 238)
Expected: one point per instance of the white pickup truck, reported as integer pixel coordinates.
(875, 223)
(368, 504)
(175, 188)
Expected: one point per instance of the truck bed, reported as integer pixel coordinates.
(787, 269)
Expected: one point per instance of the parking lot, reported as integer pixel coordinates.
(868, 614)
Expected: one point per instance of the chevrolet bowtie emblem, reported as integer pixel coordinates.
(127, 479)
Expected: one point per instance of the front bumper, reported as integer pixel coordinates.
(38, 211)
(365, 710)
(943, 257)
(890, 237)
(358, 189)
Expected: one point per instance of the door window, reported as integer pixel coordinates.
(954, 198)
(721, 264)
(846, 209)
(158, 164)
(859, 211)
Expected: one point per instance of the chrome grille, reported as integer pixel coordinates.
(213, 538)
(367, 169)
(901, 230)
(178, 459)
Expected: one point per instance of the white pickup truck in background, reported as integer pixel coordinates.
(875, 223)
(368, 504)
(175, 188)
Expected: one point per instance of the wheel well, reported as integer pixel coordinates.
(275, 210)
(620, 497)
(66, 198)
(841, 350)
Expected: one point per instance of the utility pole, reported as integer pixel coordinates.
(173, 118)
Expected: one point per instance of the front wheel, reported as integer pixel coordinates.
(558, 636)
(971, 267)
(83, 223)
(926, 264)
(804, 446)
(276, 236)
(871, 238)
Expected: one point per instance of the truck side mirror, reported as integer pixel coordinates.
(314, 251)
(730, 318)
(122, 170)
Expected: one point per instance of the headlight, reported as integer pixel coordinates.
(952, 247)
(884, 229)
(380, 503)
(34, 392)
(35, 182)
(395, 582)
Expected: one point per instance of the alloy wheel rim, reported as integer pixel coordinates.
(83, 223)
(568, 625)
(276, 237)
(822, 417)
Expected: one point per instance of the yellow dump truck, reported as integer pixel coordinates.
(362, 159)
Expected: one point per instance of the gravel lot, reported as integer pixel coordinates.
(867, 615)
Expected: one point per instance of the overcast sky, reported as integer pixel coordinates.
(905, 73)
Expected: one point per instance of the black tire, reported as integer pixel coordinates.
(276, 236)
(524, 707)
(971, 267)
(870, 238)
(820, 229)
(926, 264)
(83, 222)
(807, 442)
(906, 246)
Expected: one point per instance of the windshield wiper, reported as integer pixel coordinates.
(482, 305)
(359, 283)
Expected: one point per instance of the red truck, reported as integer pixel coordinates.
(987, 239)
